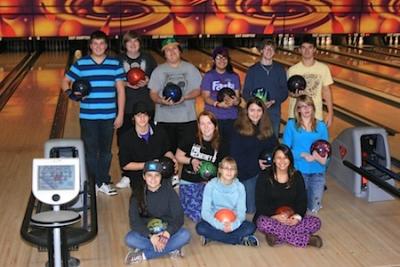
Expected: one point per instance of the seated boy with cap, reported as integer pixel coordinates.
(156, 219)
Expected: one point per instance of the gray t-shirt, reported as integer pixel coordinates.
(188, 78)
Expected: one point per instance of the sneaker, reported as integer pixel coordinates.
(133, 256)
(250, 241)
(125, 182)
(106, 189)
(175, 254)
(175, 181)
(315, 241)
(204, 240)
(271, 239)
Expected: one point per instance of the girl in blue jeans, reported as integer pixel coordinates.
(299, 135)
(155, 199)
(225, 192)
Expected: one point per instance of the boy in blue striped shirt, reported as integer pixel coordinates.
(102, 110)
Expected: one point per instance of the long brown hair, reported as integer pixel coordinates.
(309, 102)
(245, 127)
(291, 170)
(215, 139)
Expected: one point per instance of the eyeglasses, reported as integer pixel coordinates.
(221, 57)
(303, 106)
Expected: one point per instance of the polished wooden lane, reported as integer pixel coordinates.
(8, 61)
(25, 126)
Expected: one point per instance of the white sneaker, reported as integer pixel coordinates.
(125, 182)
(175, 181)
(106, 189)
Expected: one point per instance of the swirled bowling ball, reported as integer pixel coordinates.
(168, 167)
(225, 215)
(261, 93)
(207, 170)
(226, 91)
(156, 226)
(322, 147)
(267, 156)
(81, 87)
(288, 211)
(296, 83)
(135, 75)
(172, 91)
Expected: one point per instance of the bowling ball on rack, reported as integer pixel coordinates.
(288, 211)
(135, 75)
(172, 91)
(267, 156)
(207, 170)
(261, 93)
(225, 215)
(322, 147)
(156, 226)
(296, 83)
(81, 87)
(168, 167)
(226, 91)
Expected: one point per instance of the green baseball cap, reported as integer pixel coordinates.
(168, 41)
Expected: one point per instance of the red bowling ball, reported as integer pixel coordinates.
(135, 75)
(225, 215)
(322, 147)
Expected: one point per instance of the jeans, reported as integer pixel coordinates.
(250, 187)
(315, 183)
(235, 237)
(97, 136)
(176, 241)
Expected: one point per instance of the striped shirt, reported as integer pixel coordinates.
(101, 103)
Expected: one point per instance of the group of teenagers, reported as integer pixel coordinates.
(232, 134)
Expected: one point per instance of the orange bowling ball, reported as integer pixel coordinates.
(225, 215)
(135, 75)
(288, 211)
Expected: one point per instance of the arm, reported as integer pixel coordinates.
(136, 222)
(327, 97)
(262, 203)
(176, 212)
(183, 159)
(120, 103)
(206, 207)
(240, 209)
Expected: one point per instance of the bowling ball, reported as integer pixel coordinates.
(135, 75)
(286, 210)
(81, 87)
(267, 156)
(207, 170)
(296, 83)
(261, 93)
(156, 226)
(172, 91)
(226, 91)
(322, 147)
(225, 215)
(168, 167)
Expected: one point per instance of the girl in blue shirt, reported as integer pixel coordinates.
(299, 135)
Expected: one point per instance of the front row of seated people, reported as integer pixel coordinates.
(270, 188)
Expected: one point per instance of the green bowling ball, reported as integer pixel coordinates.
(207, 170)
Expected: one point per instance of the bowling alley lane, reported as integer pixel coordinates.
(8, 61)
(204, 63)
(25, 125)
(388, 51)
(362, 53)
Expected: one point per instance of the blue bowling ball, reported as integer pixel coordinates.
(172, 91)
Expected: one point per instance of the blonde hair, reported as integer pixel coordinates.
(309, 102)
(227, 161)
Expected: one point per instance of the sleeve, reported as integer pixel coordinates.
(236, 81)
(195, 78)
(283, 90)
(262, 203)
(74, 72)
(248, 83)
(327, 76)
(123, 153)
(240, 209)
(205, 82)
(324, 131)
(136, 222)
(288, 134)
(119, 74)
(206, 207)
(155, 83)
(301, 195)
(176, 212)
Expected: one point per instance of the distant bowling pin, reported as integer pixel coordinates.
(361, 40)
(323, 40)
(286, 40)
(291, 41)
(280, 37)
(349, 40)
(328, 40)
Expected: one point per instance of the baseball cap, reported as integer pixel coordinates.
(168, 41)
(152, 166)
(220, 51)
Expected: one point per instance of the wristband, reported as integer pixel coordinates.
(215, 104)
(297, 216)
(72, 96)
(190, 161)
